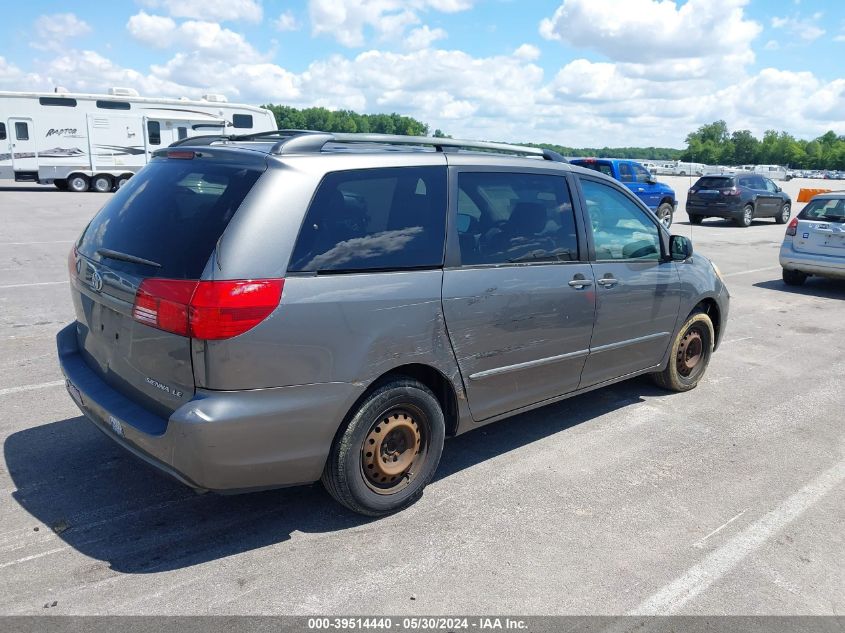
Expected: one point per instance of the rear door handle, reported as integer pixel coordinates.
(608, 282)
(581, 283)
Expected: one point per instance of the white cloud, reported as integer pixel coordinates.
(52, 31)
(806, 29)
(348, 20)
(772, 45)
(286, 22)
(648, 31)
(153, 30)
(210, 10)
(527, 52)
(423, 37)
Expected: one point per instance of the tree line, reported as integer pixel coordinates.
(712, 144)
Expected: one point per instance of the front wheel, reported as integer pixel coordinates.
(690, 354)
(389, 450)
(664, 214)
(783, 216)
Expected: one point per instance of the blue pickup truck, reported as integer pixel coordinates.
(658, 197)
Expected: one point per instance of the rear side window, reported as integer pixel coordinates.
(2, 131)
(21, 131)
(507, 218)
(154, 132)
(242, 120)
(57, 101)
(172, 212)
(374, 219)
(714, 183)
(113, 105)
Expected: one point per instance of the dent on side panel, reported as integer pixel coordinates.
(339, 328)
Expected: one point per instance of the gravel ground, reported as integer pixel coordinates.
(725, 500)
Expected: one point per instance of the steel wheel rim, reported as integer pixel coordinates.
(690, 352)
(786, 212)
(666, 219)
(394, 449)
(748, 215)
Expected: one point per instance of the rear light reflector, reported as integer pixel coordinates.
(792, 227)
(187, 155)
(692, 190)
(733, 191)
(206, 310)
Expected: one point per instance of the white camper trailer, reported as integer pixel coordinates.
(82, 141)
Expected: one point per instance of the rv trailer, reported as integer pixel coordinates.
(90, 141)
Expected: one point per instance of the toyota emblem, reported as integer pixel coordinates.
(96, 281)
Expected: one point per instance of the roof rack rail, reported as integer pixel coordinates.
(309, 141)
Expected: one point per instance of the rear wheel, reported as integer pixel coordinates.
(783, 216)
(122, 180)
(691, 351)
(696, 219)
(794, 277)
(61, 184)
(664, 214)
(388, 451)
(78, 183)
(746, 217)
(102, 183)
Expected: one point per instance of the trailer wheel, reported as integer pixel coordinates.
(122, 180)
(102, 183)
(78, 183)
(61, 184)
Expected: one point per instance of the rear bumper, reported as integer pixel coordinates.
(715, 210)
(227, 441)
(812, 264)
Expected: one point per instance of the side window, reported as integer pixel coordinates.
(758, 183)
(21, 131)
(642, 174)
(2, 131)
(182, 133)
(154, 132)
(374, 219)
(626, 174)
(242, 120)
(621, 229)
(515, 218)
(770, 186)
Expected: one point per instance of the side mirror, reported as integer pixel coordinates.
(680, 248)
(778, 189)
(652, 180)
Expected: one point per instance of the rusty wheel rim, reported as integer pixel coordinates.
(393, 450)
(690, 352)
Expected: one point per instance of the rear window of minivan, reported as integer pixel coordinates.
(172, 213)
(374, 219)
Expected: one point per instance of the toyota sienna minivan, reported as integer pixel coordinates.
(271, 310)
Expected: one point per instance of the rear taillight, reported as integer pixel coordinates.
(692, 190)
(206, 309)
(72, 258)
(792, 227)
(733, 191)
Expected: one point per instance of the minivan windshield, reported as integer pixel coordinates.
(166, 220)
(830, 210)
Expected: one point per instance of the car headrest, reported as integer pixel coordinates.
(527, 218)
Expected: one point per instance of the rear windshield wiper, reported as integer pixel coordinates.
(126, 257)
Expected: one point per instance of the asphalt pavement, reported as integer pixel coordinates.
(729, 499)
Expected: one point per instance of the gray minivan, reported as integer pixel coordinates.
(270, 310)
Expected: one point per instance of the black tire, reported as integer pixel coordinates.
(664, 214)
(690, 354)
(746, 217)
(794, 277)
(785, 212)
(78, 183)
(392, 403)
(102, 183)
(696, 219)
(61, 184)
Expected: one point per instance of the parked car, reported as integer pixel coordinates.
(264, 311)
(657, 196)
(814, 243)
(741, 197)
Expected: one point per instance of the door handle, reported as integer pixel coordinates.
(608, 282)
(581, 283)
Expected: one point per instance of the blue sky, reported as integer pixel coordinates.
(575, 72)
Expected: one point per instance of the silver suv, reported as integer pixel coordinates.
(264, 311)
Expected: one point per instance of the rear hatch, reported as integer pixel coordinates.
(716, 191)
(821, 228)
(163, 224)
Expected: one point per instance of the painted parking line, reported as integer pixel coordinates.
(40, 283)
(40, 385)
(722, 560)
(753, 270)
